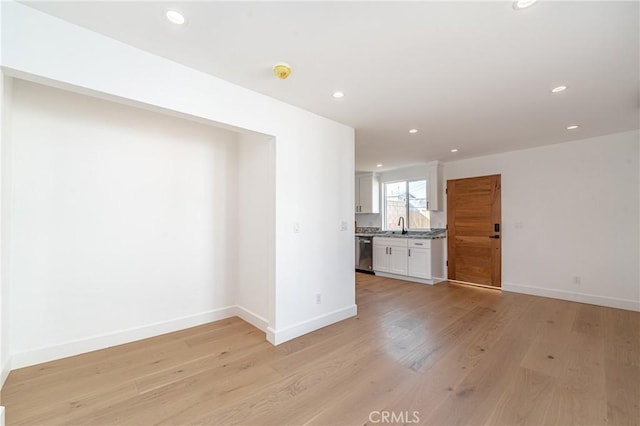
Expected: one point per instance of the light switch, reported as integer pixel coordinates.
(344, 226)
(296, 227)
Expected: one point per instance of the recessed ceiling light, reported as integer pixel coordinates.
(572, 127)
(413, 131)
(378, 165)
(523, 4)
(175, 17)
(558, 89)
(338, 95)
(454, 150)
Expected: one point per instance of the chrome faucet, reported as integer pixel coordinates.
(404, 231)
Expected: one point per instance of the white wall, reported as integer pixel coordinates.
(121, 218)
(407, 173)
(307, 148)
(569, 210)
(5, 188)
(316, 182)
(255, 229)
(5, 354)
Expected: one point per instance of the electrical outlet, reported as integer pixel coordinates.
(318, 298)
(577, 280)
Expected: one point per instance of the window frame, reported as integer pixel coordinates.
(406, 215)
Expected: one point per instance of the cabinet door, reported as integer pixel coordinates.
(398, 261)
(356, 195)
(369, 198)
(434, 192)
(380, 258)
(365, 194)
(419, 263)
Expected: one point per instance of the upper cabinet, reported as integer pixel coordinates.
(367, 194)
(434, 183)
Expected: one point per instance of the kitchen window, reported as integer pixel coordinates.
(407, 199)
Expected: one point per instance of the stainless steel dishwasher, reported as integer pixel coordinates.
(364, 254)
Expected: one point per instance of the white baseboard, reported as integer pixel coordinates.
(1, 416)
(431, 281)
(63, 350)
(4, 373)
(76, 347)
(282, 335)
(255, 320)
(612, 302)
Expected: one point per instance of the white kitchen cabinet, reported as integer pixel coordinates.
(411, 259)
(381, 260)
(390, 255)
(419, 259)
(398, 260)
(434, 186)
(367, 194)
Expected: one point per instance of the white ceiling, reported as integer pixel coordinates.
(469, 75)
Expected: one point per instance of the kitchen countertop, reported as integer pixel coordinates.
(434, 233)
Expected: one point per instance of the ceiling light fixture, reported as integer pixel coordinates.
(454, 150)
(558, 89)
(523, 4)
(572, 127)
(378, 165)
(175, 17)
(338, 95)
(282, 70)
(412, 131)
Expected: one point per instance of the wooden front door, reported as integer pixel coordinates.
(474, 225)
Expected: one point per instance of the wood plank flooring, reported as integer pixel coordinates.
(438, 355)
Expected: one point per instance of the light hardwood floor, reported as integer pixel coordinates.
(439, 355)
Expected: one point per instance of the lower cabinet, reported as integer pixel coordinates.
(381, 259)
(415, 259)
(419, 263)
(398, 260)
(390, 255)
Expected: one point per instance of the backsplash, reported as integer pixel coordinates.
(366, 229)
(438, 219)
(369, 220)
